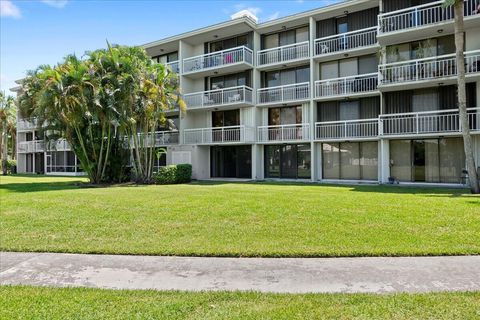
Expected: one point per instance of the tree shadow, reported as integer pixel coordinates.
(39, 186)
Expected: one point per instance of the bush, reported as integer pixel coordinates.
(11, 166)
(172, 174)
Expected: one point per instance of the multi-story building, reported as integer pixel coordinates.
(363, 90)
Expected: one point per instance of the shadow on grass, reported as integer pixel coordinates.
(429, 191)
(39, 186)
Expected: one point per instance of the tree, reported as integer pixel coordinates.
(7, 116)
(107, 106)
(458, 7)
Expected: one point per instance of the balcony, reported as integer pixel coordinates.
(225, 61)
(234, 97)
(59, 145)
(352, 86)
(284, 133)
(31, 146)
(174, 66)
(289, 93)
(27, 124)
(422, 20)
(158, 139)
(420, 72)
(219, 135)
(290, 55)
(427, 123)
(346, 130)
(355, 43)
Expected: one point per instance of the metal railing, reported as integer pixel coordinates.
(27, 124)
(346, 85)
(174, 66)
(219, 97)
(346, 41)
(422, 15)
(439, 121)
(286, 93)
(427, 68)
(158, 139)
(284, 132)
(58, 145)
(348, 129)
(218, 59)
(219, 135)
(282, 54)
(31, 146)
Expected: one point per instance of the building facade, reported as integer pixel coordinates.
(362, 91)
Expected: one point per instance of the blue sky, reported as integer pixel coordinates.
(42, 32)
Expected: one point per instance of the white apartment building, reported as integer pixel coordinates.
(363, 90)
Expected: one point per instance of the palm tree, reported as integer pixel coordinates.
(458, 7)
(7, 112)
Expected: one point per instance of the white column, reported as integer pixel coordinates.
(383, 160)
(312, 116)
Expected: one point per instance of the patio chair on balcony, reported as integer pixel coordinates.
(207, 101)
(235, 98)
(324, 49)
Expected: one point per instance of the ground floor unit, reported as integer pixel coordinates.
(439, 160)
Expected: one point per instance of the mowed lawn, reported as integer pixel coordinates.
(236, 219)
(47, 303)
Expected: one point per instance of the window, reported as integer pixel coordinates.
(229, 43)
(284, 38)
(342, 25)
(284, 115)
(229, 81)
(288, 161)
(226, 118)
(285, 77)
(169, 57)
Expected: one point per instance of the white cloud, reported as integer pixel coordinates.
(8, 9)
(241, 6)
(273, 16)
(56, 3)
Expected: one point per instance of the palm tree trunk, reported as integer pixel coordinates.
(4, 147)
(462, 97)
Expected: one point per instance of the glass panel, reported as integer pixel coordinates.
(303, 161)
(303, 75)
(273, 78)
(369, 160)
(287, 77)
(231, 81)
(288, 115)
(229, 43)
(216, 46)
(432, 172)
(242, 40)
(299, 115)
(302, 34)
(217, 119)
(350, 161)
(349, 110)
(287, 37)
(232, 117)
(217, 83)
(331, 161)
(163, 59)
(342, 25)
(271, 41)
(172, 56)
(400, 160)
(452, 160)
(419, 160)
(244, 169)
(272, 161)
(289, 162)
(273, 116)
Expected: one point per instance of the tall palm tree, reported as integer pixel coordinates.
(7, 112)
(458, 7)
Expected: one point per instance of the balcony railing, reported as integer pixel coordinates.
(346, 41)
(428, 122)
(31, 146)
(282, 54)
(219, 135)
(27, 124)
(286, 93)
(219, 97)
(427, 68)
(174, 66)
(349, 129)
(59, 145)
(285, 132)
(346, 85)
(422, 15)
(158, 139)
(218, 59)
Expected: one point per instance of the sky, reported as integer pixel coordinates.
(39, 32)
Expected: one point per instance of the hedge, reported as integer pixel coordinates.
(172, 174)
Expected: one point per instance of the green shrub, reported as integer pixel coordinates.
(184, 173)
(172, 174)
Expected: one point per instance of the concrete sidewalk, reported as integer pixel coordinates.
(286, 275)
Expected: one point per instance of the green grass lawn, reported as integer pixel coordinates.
(46, 303)
(236, 219)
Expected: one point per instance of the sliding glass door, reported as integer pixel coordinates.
(231, 162)
(287, 161)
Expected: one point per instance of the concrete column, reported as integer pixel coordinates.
(383, 160)
(312, 116)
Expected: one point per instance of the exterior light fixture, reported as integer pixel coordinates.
(440, 30)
